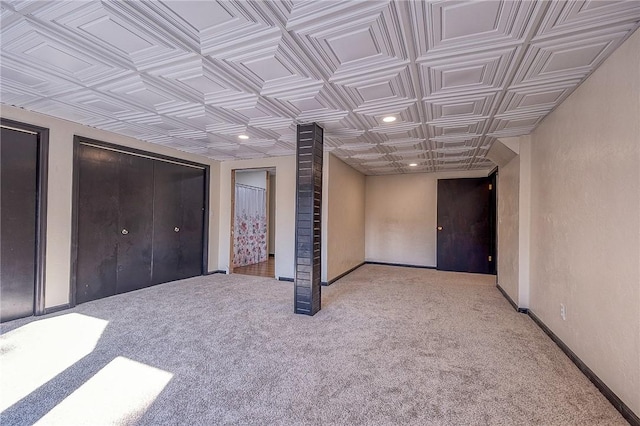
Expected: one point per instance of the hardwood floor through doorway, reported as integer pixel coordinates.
(262, 269)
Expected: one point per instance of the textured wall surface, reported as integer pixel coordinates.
(343, 218)
(585, 221)
(400, 225)
(58, 248)
(508, 224)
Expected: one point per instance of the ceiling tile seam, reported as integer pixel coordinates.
(406, 21)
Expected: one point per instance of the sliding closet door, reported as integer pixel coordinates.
(178, 222)
(18, 169)
(98, 228)
(135, 222)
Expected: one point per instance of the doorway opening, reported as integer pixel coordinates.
(253, 222)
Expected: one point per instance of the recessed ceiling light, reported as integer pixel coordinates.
(389, 119)
(413, 164)
(243, 137)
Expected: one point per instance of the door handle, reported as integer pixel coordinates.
(124, 232)
(176, 229)
(439, 228)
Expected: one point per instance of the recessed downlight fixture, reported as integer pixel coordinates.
(389, 119)
(413, 164)
(243, 137)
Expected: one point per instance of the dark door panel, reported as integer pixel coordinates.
(464, 225)
(192, 230)
(135, 222)
(97, 235)
(167, 221)
(178, 222)
(18, 169)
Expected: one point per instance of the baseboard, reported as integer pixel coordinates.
(626, 412)
(510, 300)
(285, 279)
(404, 265)
(57, 308)
(217, 271)
(342, 275)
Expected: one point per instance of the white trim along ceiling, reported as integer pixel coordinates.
(194, 75)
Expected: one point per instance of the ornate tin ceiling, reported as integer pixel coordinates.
(194, 75)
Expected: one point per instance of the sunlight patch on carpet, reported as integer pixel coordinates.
(35, 353)
(118, 394)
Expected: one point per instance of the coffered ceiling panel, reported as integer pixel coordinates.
(447, 28)
(398, 86)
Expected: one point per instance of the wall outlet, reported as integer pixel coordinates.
(563, 311)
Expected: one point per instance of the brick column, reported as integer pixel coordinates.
(308, 210)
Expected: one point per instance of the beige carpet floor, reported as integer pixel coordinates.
(391, 346)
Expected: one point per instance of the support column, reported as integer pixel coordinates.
(308, 210)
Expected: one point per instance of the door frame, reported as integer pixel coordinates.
(233, 209)
(493, 219)
(42, 182)
(81, 140)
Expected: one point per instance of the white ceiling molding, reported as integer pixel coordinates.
(193, 75)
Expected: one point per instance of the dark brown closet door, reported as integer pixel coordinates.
(115, 220)
(178, 222)
(135, 222)
(167, 221)
(98, 231)
(18, 173)
(192, 231)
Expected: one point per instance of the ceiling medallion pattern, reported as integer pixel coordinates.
(194, 75)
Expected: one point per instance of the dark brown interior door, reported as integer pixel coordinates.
(465, 231)
(18, 195)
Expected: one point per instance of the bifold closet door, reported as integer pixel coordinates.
(115, 222)
(178, 221)
(18, 193)
(98, 227)
(192, 231)
(135, 222)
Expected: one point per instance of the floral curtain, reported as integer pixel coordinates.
(250, 226)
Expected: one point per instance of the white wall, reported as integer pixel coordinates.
(508, 227)
(343, 242)
(284, 210)
(256, 179)
(524, 223)
(400, 223)
(585, 221)
(58, 247)
(514, 221)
